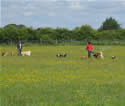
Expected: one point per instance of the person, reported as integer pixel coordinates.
(19, 47)
(89, 47)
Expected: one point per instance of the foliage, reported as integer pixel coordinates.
(110, 24)
(84, 32)
(110, 30)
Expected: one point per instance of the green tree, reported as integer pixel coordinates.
(33, 34)
(63, 34)
(22, 34)
(1, 34)
(120, 34)
(46, 39)
(84, 32)
(10, 33)
(110, 24)
(107, 35)
(16, 26)
(46, 31)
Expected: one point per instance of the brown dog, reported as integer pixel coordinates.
(83, 57)
(11, 53)
(4, 53)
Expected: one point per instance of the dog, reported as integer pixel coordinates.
(26, 53)
(4, 53)
(61, 55)
(83, 57)
(113, 57)
(98, 55)
(11, 53)
(64, 55)
(101, 55)
(58, 55)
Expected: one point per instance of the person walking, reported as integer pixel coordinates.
(19, 47)
(89, 47)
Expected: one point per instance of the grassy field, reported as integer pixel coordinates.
(44, 80)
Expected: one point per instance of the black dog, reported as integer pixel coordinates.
(96, 55)
(64, 55)
(61, 55)
(113, 57)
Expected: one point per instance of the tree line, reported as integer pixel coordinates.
(109, 30)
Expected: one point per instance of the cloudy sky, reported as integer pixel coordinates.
(61, 13)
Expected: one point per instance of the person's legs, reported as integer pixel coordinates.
(89, 54)
(19, 52)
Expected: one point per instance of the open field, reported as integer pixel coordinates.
(44, 80)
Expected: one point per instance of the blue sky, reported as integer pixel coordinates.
(61, 13)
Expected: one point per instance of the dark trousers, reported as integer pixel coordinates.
(19, 52)
(89, 54)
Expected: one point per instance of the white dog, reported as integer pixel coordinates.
(26, 53)
(101, 55)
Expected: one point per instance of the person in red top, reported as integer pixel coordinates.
(89, 47)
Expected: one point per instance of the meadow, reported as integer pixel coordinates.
(42, 79)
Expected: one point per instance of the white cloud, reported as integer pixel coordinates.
(29, 6)
(122, 3)
(68, 13)
(92, 0)
(28, 13)
(51, 14)
(75, 5)
(0, 13)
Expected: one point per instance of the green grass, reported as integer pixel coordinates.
(44, 80)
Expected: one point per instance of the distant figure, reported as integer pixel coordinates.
(19, 47)
(89, 47)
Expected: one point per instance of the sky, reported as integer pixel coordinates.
(61, 13)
